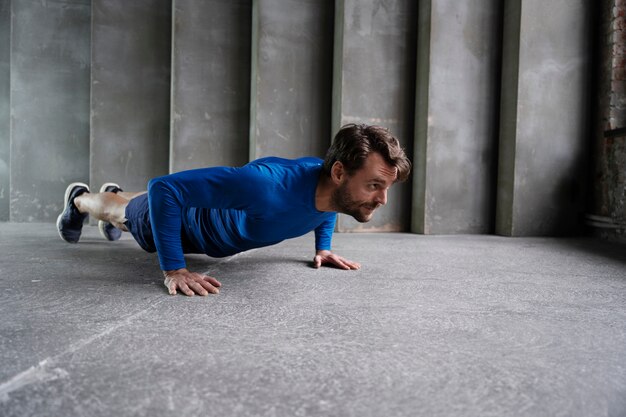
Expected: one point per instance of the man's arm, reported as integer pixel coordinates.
(168, 196)
(323, 254)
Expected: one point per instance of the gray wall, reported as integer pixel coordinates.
(237, 80)
(130, 92)
(49, 104)
(457, 116)
(5, 79)
(374, 83)
(544, 129)
(291, 78)
(210, 83)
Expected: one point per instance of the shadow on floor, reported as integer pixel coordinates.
(613, 251)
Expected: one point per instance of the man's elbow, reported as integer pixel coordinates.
(156, 184)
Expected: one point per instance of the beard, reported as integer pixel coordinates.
(345, 203)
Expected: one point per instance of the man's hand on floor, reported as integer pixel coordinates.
(190, 283)
(326, 257)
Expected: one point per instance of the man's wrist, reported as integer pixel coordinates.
(174, 271)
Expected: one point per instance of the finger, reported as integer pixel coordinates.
(352, 265)
(198, 288)
(185, 289)
(171, 286)
(213, 281)
(334, 260)
(201, 280)
(331, 260)
(317, 261)
(210, 288)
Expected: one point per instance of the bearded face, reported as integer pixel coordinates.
(347, 203)
(360, 193)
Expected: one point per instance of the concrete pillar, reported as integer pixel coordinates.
(291, 78)
(50, 66)
(5, 113)
(544, 117)
(457, 116)
(374, 83)
(130, 99)
(210, 83)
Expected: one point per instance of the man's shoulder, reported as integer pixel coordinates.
(273, 166)
(275, 160)
(286, 174)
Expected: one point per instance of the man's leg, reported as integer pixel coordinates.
(109, 207)
(108, 230)
(130, 196)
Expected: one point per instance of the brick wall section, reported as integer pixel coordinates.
(617, 118)
(610, 152)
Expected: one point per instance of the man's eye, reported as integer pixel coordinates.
(372, 186)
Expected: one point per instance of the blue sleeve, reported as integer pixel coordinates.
(324, 233)
(219, 187)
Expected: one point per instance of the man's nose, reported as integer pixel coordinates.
(381, 197)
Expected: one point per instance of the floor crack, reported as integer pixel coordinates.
(46, 370)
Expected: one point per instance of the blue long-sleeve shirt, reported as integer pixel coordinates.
(230, 210)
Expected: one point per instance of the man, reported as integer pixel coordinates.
(222, 211)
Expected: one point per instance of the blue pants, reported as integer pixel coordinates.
(138, 224)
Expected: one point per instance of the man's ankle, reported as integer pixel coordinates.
(78, 202)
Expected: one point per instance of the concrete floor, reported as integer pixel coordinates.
(431, 326)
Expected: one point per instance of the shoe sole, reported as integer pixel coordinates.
(102, 224)
(68, 190)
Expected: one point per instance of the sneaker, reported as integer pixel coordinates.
(70, 221)
(107, 230)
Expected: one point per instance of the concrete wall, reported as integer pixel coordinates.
(457, 116)
(291, 78)
(49, 104)
(130, 92)
(374, 83)
(274, 77)
(543, 145)
(210, 83)
(5, 79)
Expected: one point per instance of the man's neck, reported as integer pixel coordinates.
(323, 194)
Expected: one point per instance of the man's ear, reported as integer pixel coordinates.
(337, 172)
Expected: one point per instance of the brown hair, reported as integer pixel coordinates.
(355, 142)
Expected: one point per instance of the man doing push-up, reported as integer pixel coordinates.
(222, 211)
